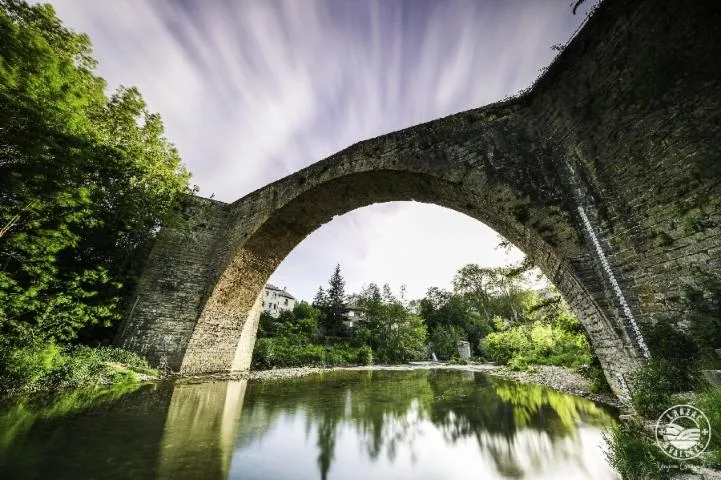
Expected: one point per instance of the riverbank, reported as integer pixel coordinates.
(562, 379)
(49, 367)
(559, 378)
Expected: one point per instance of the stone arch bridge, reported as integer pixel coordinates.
(606, 172)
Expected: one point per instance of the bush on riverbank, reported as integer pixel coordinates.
(635, 456)
(293, 340)
(48, 366)
(540, 343)
(365, 355)
(283, 352)
(652, 386)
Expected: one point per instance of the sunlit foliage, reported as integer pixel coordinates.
(85, 180)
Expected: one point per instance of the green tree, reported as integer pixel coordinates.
(502, 291)
(320, 299)
(444, 340)
(441, 307)
(393, 333)
(85, 181)
(473, 281)
(303, 310)
(332, 312)
(267, 326)
(306, 319)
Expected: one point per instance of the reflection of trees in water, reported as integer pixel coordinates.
(387, 408)
(508, 418)
(91, 433)
(19, 414)
(550, 421)
(382, 407)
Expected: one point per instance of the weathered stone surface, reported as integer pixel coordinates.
(622, 132)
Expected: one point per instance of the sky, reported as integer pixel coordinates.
(252, 91)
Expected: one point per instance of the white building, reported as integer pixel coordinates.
(276, 300)
(353, 314)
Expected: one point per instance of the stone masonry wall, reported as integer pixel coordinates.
(635, 108)
(170, 294)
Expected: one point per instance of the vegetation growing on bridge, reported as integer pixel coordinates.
(85, 180)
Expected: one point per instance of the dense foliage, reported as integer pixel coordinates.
(553, 339)
(394, 333)
(483, 300)
(634, 453)
(294, 340)
(85, 180)
(47, 366)
(388, 332)
(492, 308)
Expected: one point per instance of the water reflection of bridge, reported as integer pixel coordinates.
(201, 424)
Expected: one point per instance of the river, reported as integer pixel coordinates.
(419, 424)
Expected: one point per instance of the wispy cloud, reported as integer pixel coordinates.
(251, 91)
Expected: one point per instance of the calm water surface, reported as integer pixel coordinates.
(420, 424)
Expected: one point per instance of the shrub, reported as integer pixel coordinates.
(518, 363)
(708, 400)
(82, 367)
(127, 358)
(652, 385)
(501, 347)
(365, 355)
(286, 352)
(634, 455)
(28, 367)
(45, 366)
(537, 344)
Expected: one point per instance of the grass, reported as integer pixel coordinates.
(708, 400)
(635, 456)
(632, 451)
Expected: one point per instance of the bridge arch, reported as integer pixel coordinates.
(476, 163)
(606, 173)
